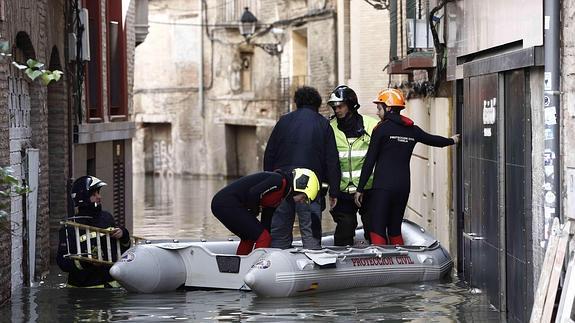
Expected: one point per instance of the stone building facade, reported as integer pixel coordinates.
(47, 138)
(219, 124)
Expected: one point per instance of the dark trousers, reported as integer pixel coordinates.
(239, 221)
(386, 210)
(345, 216)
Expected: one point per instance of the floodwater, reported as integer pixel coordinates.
(171, 207)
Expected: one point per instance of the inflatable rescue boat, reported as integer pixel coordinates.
(167, 266)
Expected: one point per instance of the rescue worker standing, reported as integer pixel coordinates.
(88, 210)
(390, 150)
(352, 135)
(303, 138)
(238, 204)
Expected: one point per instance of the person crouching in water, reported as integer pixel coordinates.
(390, 150)
(238, 204)
(85, 194)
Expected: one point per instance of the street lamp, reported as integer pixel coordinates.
(247, 28)
(378, 4)
(248, 23)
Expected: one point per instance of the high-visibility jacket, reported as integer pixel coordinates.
(352, 154)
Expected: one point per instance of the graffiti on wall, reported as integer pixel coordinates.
(163, 157)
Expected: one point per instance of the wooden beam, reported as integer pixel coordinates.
(543, 284)
(556, 273)
(568, 294)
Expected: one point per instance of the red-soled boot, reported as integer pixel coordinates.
(264, 240)
(396, 240)
(245, 247)
(377, 239)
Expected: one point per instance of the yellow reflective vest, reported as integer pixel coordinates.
(352, 153)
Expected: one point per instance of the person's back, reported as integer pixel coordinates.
(303, 138)
(301, 142)
(396, 143)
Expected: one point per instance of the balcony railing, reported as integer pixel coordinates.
(288, 87)
(230, 11)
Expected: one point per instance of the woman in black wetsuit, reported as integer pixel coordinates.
(238, 204)
(390, 149)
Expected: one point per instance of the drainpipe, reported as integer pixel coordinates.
(551, 103)
(201, 69)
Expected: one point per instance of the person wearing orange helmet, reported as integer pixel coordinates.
(392, 143)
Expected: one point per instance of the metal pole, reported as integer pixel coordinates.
(201, 69)
(551, 102)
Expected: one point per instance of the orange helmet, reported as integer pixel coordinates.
(391, 98)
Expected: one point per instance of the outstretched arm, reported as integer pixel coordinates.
(432, 140)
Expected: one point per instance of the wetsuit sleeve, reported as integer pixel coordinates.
(432, 140)
(332, 163)
(271, 150)
(255, 193)
(370, 157)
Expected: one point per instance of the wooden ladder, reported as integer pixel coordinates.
(88, 256)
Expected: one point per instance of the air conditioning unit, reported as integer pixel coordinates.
(73, 39)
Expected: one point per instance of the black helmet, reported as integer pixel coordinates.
(344, 94)
(83, 188)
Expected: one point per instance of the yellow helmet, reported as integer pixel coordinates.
(305, 181)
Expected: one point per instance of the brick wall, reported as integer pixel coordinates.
(29, 17)
(5, 237)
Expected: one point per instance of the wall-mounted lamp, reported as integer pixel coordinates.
(248, 23)
(247, 28)
(379, 4)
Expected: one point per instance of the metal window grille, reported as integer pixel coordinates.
(288, 87)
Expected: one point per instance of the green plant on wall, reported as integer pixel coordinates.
(32, 68)
(9, 185)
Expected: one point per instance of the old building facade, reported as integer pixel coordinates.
(218, 124)
(48, 135)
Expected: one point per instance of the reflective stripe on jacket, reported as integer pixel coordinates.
(352, 154)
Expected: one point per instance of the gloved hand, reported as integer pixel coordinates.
(456, 138)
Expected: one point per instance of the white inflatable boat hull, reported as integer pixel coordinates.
(163, 267)
(283, 273)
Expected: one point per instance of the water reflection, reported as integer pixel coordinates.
(430, 302)
(179, 208)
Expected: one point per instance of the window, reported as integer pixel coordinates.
(94, 66)
(230, 11)
(116, 60)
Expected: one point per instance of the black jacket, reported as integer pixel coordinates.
(248, 191)
(84, 274)
(390, 149)
(304, 138)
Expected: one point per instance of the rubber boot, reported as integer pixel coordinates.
(396, 240)
(245, 247)
(264, 240)
(376, 239)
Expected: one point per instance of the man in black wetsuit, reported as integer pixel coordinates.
(238, 204)
(88, 211)
(390, 150)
